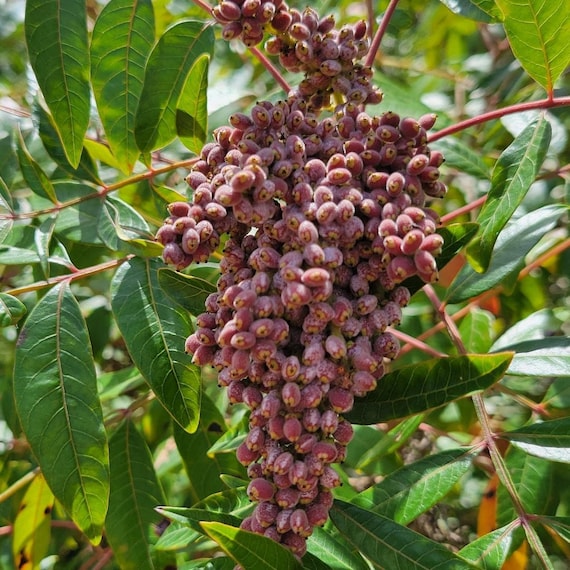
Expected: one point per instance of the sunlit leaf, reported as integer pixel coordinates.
(411, 490)
(429, 384)
(251, 550)
(191, 109)
(537, 31)
(122, 39)
(540, 324)
(11, 310)
(165, 78)
(490, 551)
(55, 390)
(154, 330)
(389, 545)
(468, 9)
(542, 357)
(512, 176)
(56, 35)
(135, 492)
(188, 291)
(10, 255)
(42, 238)
(31, 532)
(192, 517)
(508, 256)
(548, 440)
(332, 551)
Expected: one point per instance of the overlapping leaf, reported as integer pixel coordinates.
(426, 385)
(55, 391)
(251, 550)
(390, 546)
(413, 489)
(122, 39)
(512, 176)
(188, 291)
(333, 552)
(542, 357)
(56, 35)
(135, 493)
(537, 31)
(11, 310)
(154, 330)
(31, 532)
(508, 255)
(191, 109)
(548, 440)
(165, 82)
(490, 551)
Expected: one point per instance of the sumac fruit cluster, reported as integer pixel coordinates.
(326, 218)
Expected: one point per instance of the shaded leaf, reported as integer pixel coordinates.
(476, 329)
(490, 551)
(558, 394)
(532, 478)
(251, 550)
(122, 39)
(5, 200)
(512, 176)
(489, 7)
(165, 78)
(11, 310)
(55, 391)
(508, 256)
(135, 492)
(33, 174)
(175, 537)
(188, 291)
(455, 237)
(154, 332)
(542, 357)
(10, 255)
(31, 532)
(548, 440)
(42, 238)
(85, 170)
(204, 470)
(537, 30)
(233, 501)
(411, 490)
(191, 110)
(459, 155)
(192, 517)
(391, 546)
(429, 384)
(559, 524)
(56, 35)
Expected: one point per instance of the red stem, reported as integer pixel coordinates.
(498, 113)
(377, 40)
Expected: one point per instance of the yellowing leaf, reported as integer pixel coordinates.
(32, 529)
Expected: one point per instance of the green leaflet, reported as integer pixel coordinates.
(548, 440)
(425, 385)
(538, 32)
(512, 176)
(165, 81)
(390, 546)
(411, 490)
(122, 39)
(154, 331)
(251, 550)
(508, 254)
(56, 35)
(55, 391)
(192, 109)
(11, 310)
(135, 493)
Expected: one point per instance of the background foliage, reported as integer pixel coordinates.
(460, 458)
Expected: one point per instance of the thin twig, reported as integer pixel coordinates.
(270, 68)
